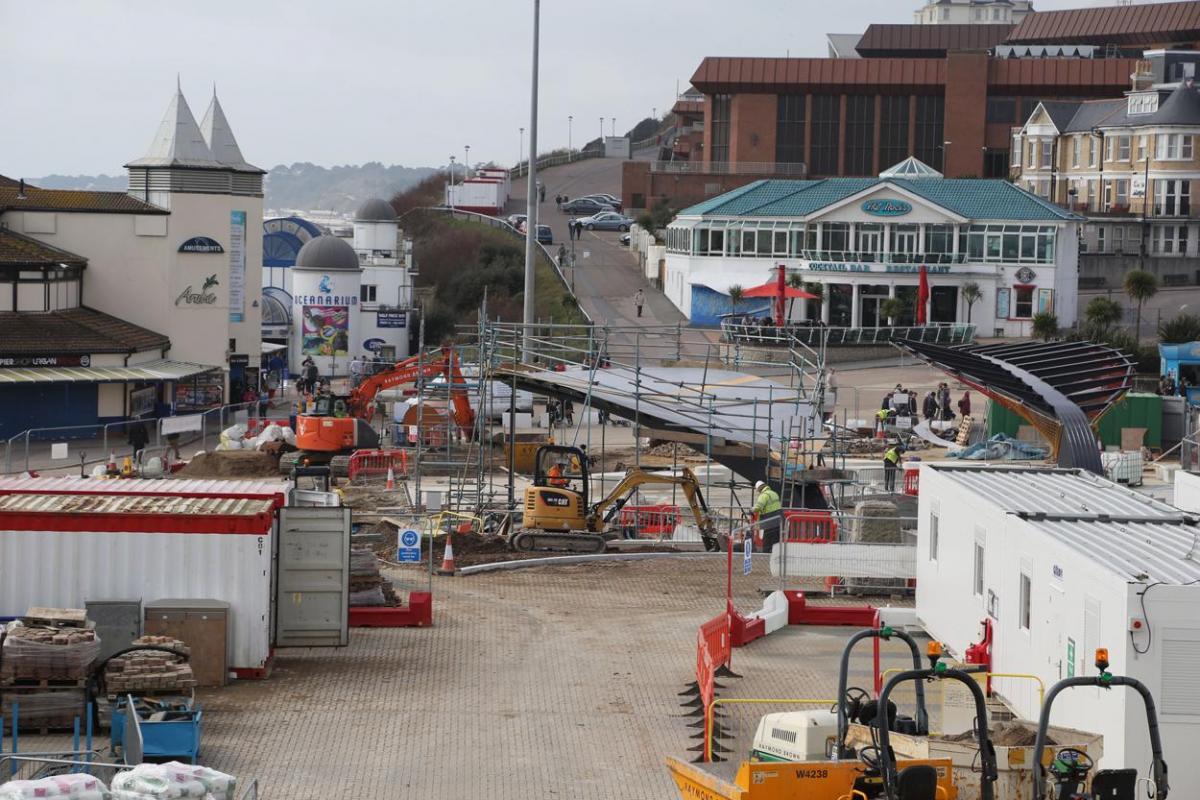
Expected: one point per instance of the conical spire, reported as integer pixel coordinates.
(219, 136)
(178, 142)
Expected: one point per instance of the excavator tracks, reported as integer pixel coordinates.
(339, 466)
(556, 542)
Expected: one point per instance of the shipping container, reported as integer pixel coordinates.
(480, 195)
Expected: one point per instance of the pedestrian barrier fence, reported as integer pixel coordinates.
(366, 463)
(845, 559)
(649, 521)
(713, 649)
(912, 482)
(809, 527)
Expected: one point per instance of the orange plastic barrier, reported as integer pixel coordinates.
(809, 526)
(377, 462)
(650, 521)
(713, 648)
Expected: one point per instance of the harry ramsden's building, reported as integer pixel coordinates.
(948, 94)
(1131, 165)
(101, 284)
(864, 240)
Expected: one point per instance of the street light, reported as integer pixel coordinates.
(602, 130)
(450, 194)
(531, 192)
(521, 146)
(614, 129)
(570, 119)
(466, 160)
(946, 156)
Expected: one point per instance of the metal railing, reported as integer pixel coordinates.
(809, 334)
(790, 169)
(554, 160)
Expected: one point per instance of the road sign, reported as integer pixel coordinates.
(748, 548)
(410, 547)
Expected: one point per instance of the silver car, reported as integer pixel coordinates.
(606, 221)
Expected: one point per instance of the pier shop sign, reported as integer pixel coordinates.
(900, 269)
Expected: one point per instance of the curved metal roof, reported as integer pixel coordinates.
(375, 210)
(276, 307)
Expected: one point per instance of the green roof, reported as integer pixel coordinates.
(972, 198)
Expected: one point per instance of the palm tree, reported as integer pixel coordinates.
(1180, 330)
(1045, 325)
(1103, 312)
(971, 294)
(794, 282)
(817, 290)
(1140, 286)
(892, 308)
(736, 295)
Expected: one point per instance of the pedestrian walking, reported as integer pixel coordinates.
(138, 438)
(639, 299)
(541, 193)
(558, 201)
(562, 255)
(944, 401)
(929, 406)
(891, 465)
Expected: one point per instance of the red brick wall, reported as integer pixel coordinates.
(752, 128)
(680, 190)
(966, 112)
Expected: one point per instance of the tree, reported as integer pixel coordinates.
(892, 308)
(794, 281)
(817, 290)
(1180, 330)
(1103, 312)
(1140, 286)
(971, 294)
(1045, 325)
(736, 295)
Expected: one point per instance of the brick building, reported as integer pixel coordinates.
(948, 94)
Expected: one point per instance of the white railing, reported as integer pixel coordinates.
(554, 160)
(790, 169)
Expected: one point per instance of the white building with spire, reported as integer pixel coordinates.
(193, 273)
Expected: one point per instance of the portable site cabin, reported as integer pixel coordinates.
(1064, 562)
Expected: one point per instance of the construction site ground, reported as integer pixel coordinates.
(543, 682)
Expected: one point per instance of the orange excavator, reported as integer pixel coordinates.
(334, 426)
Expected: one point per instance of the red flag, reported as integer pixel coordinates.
(922, 296)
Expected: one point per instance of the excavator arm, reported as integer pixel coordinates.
(437, 362)
(606, 509)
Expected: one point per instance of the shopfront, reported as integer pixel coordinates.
(993, 255)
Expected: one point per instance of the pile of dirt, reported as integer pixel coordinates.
(1011, 734)
(231, 464)
(372, 498)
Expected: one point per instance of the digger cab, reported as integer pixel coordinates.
(562, 466)
(558, 499)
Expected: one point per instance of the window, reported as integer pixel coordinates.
(835, 236)
(939, 239)
(366, 293)
(1169, 239)
(720, 128)
(929, 130)
(1118, 238)
(1123, 148)
(1141, 151)
(1173, 147)
(1172, 198)
(1002, 109)
(1015, 153)
(977, 584)
(1076, 150)
(789, 129)
(1047, 154)
(1116, 194)
(1093, 150)
(1011, 243)
(995, 164)
(860, 135)
(1033, 145)
(781, 243)
(1100, 240)
(826, 112)
(1110, 146)
(1023, 307)
(1026, 599)
(933, 537)
(893, 129)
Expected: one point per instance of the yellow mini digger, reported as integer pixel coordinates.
(558, 516)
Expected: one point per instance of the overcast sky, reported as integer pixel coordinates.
(399, 81)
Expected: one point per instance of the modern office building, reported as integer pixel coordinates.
(1130, 164)
(864, 240)
(948, 94)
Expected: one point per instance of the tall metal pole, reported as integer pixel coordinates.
(570, 119)
(521, 147)
(531, 186)
(466, 161)
(614, 127)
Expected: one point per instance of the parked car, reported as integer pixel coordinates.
(517, 220)
(606, 221)
(606, 198)
(545, 235)
(585, 205)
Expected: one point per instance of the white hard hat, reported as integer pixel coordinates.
(758, 485)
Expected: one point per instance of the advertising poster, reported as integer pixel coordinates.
(1003, 296)
(237, 265)
(206, 390)
(326, 330)
(1045, 301)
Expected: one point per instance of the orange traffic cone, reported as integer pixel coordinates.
(391, 479)
(448, 567)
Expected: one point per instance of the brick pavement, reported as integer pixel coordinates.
(548, 682)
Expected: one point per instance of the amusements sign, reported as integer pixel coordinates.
(326, 330)
(237, 265)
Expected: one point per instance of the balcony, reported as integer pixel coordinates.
(788, 169)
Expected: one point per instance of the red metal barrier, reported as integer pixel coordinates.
(809, 527)
(376, 462)
(712, 652)
(650, 521)
(912, 482)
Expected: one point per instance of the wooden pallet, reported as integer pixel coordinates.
(42, 684)
(55, 617)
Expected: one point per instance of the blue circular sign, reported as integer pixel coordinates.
(410, 538)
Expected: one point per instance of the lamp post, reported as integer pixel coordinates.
(450, 195)
(521, 146)
(614, 127)
(466, 160)
(531, 191)
(602, 130)
(946, 158)
(570, 119)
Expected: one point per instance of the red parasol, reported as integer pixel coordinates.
(922, 296)
(781, 292)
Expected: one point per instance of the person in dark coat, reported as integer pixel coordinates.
(929, 406)
(138, 438)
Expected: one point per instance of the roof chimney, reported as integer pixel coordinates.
(21, 190)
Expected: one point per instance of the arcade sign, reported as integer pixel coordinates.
(201, 244)
(886, 207)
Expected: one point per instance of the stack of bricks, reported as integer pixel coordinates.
(150, 670)
(47, 654)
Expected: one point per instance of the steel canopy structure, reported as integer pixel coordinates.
(1061, 388)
